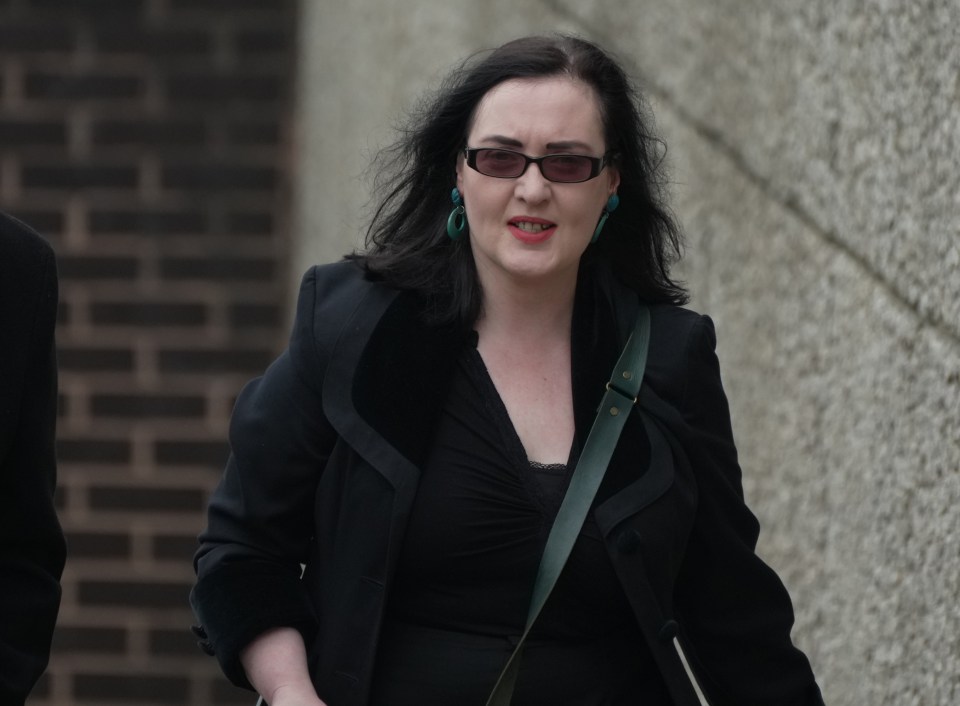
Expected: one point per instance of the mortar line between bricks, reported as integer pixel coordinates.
(715, 139)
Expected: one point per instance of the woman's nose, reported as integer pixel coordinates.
(531, 185)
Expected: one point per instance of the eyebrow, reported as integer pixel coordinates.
(561, 145)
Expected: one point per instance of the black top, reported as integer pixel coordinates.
(467, 568)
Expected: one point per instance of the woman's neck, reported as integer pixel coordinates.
(523, 311)
(524, 341)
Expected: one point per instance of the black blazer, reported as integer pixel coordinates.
(32, 547)
(326, 448)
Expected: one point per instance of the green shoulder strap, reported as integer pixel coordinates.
(621, 395)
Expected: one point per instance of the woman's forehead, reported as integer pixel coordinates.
(544, 109)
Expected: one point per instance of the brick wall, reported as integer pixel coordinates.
(148, 141)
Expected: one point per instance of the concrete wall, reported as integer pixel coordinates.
(813, 148)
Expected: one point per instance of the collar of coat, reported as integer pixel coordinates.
(388, 371)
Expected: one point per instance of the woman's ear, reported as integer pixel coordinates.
(459, 168)
(613, 174)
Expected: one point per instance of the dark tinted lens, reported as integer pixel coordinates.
(567, 167)
(500, 163)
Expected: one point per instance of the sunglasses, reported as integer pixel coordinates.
(507, 164)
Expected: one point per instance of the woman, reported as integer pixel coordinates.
(412, 446)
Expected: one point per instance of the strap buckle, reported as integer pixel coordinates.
(613, 388)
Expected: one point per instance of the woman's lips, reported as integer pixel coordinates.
(531, 230)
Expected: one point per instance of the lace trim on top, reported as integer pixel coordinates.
(537, 466)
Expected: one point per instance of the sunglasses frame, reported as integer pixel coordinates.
(597, 164)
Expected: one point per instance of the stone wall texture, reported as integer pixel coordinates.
(813, 149)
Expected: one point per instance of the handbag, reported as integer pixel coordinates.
(620, 396)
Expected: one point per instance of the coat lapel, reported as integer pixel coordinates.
(386, 381)
(389, 372)
(642, 467)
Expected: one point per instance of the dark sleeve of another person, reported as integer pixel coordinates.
(32, 549)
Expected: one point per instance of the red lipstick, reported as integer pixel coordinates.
(538, 235)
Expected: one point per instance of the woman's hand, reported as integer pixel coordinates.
(276, 665)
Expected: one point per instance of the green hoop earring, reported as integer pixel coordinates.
(611, 206)
(457, 220)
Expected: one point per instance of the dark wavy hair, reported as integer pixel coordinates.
(406, 242)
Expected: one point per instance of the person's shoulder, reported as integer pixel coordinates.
(682, 349)
(674, 324)
(20, 245)
(341, 285)
(28, 272)
(337, 296)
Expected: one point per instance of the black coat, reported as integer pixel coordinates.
(32, 548)
(326, 448)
